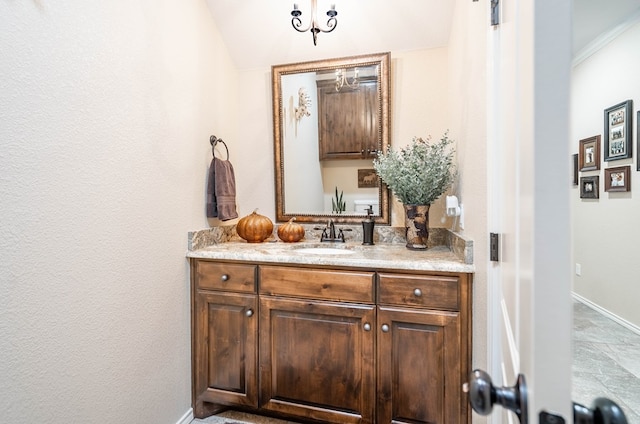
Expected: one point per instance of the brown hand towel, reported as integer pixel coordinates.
(212, 209)
(221, 191)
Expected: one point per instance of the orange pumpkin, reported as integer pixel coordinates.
(291, 232)
(254, 228)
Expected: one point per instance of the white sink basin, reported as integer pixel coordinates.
(324, 251)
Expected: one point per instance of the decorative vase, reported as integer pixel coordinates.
(416, 223)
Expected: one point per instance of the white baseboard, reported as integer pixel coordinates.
(607, 313)
(187, 417)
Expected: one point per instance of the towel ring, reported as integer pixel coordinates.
(214, 141)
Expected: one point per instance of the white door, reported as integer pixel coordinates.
(529, 61)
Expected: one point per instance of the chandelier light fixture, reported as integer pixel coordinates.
(342, 79)
(332, 22)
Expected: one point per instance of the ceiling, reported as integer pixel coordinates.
(258, 33)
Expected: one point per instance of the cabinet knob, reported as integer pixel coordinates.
(225, 277)
(249, 312)
(367, 326)
(417, 292)
(385, 328)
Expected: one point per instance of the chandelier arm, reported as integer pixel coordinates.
(297, 23)
(332, 23)
(342, 79)
(313, 26)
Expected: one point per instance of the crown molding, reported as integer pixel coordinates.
(606, 38)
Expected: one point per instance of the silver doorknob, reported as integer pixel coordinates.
(385, 328)
(367, 327)
(602, 411)
(225, 277)
(483, 395)
(249, 312)
(417, 292)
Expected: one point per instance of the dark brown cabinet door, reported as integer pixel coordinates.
(348, 121)
(225, 351)
(317, 359)
(419, 367)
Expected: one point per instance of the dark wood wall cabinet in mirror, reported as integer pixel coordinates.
(330, 119)
(348, 120)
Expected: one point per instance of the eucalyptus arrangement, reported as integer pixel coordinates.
(419, 173)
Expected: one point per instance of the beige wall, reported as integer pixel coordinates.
(605, 231)
(106, 111)
(467, 91)
(420, 107)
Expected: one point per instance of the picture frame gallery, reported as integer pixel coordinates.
(615, 144)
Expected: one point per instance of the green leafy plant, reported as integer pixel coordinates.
(338, 204)
(419, 173)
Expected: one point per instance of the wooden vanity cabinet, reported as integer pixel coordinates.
(224, 336)
(423, 348)
(317, 344)
(340, 346)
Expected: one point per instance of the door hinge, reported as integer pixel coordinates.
(494, 245)
(495, 12)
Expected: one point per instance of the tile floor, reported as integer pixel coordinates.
(237, 417)
(606, 363)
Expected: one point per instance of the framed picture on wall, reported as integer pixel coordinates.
(617, 131)
(617, 179)
(367, 178)
(590, 187)
(575, 169)
(589, 153)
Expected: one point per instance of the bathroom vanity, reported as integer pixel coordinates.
(380, 334)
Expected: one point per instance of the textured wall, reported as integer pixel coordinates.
(106, 112)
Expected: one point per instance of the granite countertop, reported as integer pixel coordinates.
(379, 256)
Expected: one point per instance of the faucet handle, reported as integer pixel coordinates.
(341, 233)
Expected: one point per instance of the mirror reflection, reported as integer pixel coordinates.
(330, 120)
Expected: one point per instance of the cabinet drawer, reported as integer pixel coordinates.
(436, 292)
(315, 283)
(225, 276)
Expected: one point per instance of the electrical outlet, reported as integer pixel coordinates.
(578, 269)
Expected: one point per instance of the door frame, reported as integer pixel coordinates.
(541, 31)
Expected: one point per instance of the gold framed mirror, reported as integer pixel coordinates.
(330, 118)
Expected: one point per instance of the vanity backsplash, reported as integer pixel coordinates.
(460, 246)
